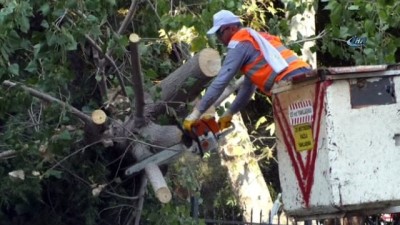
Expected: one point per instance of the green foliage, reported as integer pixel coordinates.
(377, 21)
(170, 213)
(43, 44)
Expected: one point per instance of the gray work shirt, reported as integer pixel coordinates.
(237, 56)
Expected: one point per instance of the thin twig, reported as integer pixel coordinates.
(319, 36)
(122, 196)
(109, 59)
(128, 17)
(166, 32)
(141, 200)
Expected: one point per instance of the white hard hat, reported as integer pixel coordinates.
(221, 18)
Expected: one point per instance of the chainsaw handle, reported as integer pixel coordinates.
(226, 131)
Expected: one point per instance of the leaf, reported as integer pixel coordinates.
(260, 121)
(129, 91)
(344, 32)
(53, 173)
(353, 7)
(71, 43)
(331, 5)
(45, 9)
(271, 129)
(368, 51)
(112, 2)
(92, 19)
(24, 24)
(36, 49)
(65, 135)
(44, 24)
(369, 26)
(14, 69)
(19, 174)
(31, 67)
(151, 74)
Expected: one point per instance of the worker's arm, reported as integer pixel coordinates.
(246, 90)
(238, 54)
(244, 95)
(236, 57)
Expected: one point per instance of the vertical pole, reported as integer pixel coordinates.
(194, 208)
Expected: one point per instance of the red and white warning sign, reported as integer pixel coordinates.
(301, 112)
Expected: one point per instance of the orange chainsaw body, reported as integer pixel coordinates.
(206, 133)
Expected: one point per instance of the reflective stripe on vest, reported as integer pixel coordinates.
(262, 62)
(259, 70)
(270, 82)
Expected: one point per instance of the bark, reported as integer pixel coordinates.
(7, 154)
(305, 25)
(245, 174)
(159, 185)
(187, 82)
(137, 80)
(153, 173)
(182, 85)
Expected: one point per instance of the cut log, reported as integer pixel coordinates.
(99, 116)
(187, 82)
(163, 136)
(160, 187)
(153, 173)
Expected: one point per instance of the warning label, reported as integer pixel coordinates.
(303, 137)
(301, 112)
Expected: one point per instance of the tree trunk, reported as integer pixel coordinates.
(305, 25)
(182, 85)
(244, 172)
(186, 83)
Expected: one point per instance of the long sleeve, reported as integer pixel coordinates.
(236, 57)
(244, 95)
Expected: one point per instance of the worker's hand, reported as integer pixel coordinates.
(191, 119)
(225, 121)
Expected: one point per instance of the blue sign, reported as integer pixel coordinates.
(357, 41)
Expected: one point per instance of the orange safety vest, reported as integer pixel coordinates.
(259, 71)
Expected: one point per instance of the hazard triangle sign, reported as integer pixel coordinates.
(300, 126)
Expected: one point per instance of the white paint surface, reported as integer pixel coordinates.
(357, 166)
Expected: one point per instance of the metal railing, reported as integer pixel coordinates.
(233, 216)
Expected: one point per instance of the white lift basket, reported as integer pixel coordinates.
(338, 140)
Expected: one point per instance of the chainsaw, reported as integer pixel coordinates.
(204, 137)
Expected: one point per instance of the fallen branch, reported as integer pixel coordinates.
(153, 173)
(46, 97)
(8, 154)
(137, 80)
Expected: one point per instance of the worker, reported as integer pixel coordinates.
(260, 56)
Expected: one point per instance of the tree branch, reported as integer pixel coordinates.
(8, 154)
(49, 98)
(127, 19)
(228, 91)
(319, 36)
(110, 60)
(141, 200)
(137, 80)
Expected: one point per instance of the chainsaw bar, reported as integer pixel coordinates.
(170, 154)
